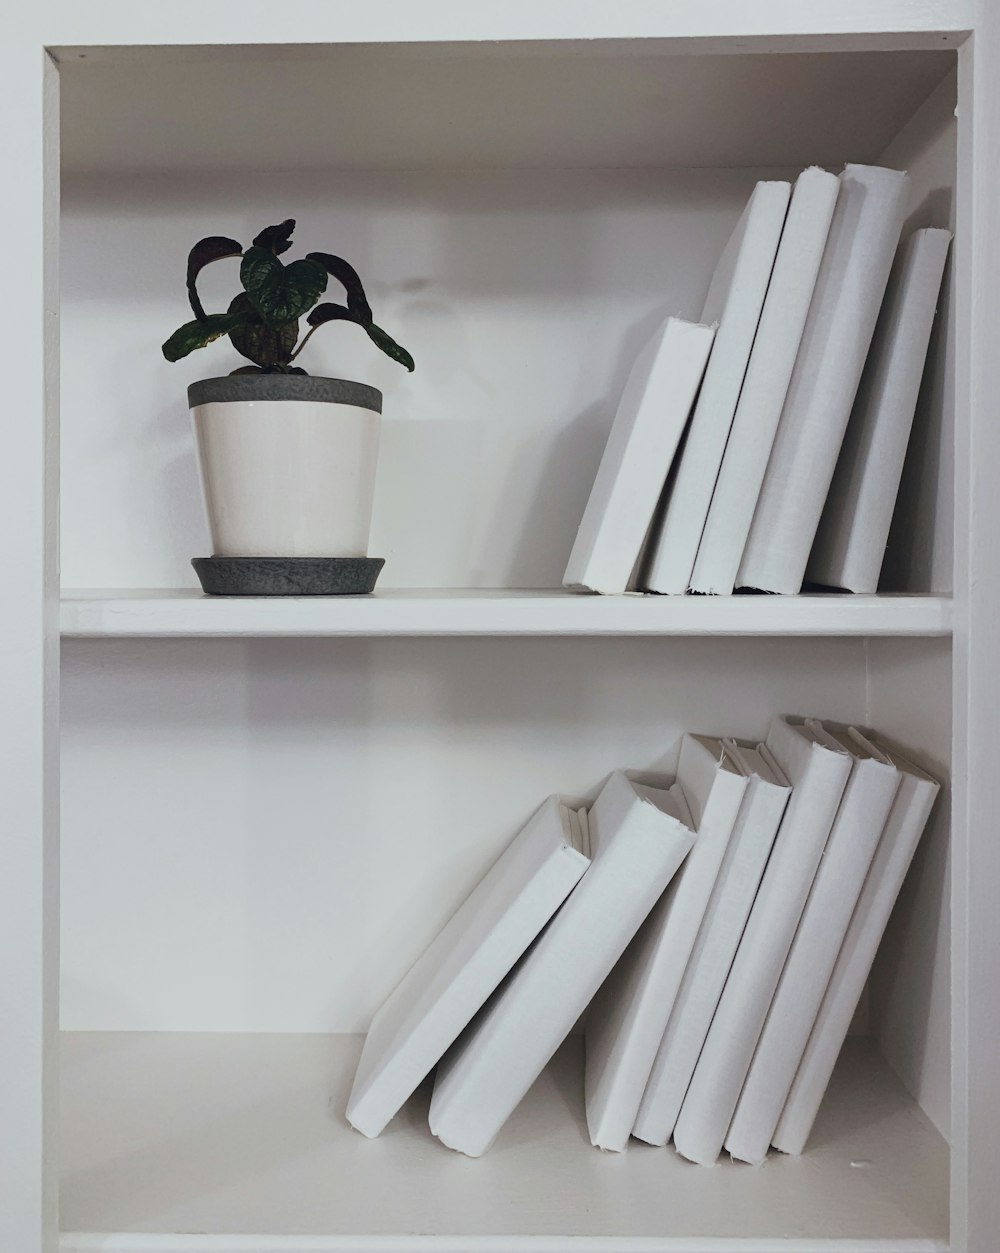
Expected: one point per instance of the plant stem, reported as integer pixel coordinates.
(302, 345)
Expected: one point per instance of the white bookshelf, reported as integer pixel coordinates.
(269, 806)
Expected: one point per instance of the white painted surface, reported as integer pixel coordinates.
(29, 847)
(885, 23)
(614, 105)
(245, 1134)
(231, 806)
(975, 938)
(496, 611)
(287, 478)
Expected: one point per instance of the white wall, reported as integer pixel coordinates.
(263, 835)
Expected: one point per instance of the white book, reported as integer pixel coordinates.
(626, 1020)
(648, 425)
(725, 917)
(466, 962)
(857, 829)
(772, 360)
(845, 306)
(818, 775)
(735, 299)
(854, 529)
(639, 837)
(907, 819)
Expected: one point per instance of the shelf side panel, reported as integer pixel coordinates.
(29, 881)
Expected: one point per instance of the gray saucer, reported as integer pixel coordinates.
(288, 576)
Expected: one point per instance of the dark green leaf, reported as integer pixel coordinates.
(246, 369)
(214, 248)
(197, 334)
(339, 313)
(261, 344)
(281, 293)
(332, 313)
(276, 239)
(389, 346)
(347, 275)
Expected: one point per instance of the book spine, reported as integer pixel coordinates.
(651, 417)
(841, 875)
(845, 305)
(627, 1022)
(906, 821)
(818, 776)
(854, 527)
(771, 363)
(711, 960)
(755, 244)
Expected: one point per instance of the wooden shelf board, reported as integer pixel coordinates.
(104, 614)
(230, 1136)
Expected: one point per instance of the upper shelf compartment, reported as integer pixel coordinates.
(607, 104)
(524, 213)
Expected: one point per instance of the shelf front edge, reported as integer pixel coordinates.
(445, 613)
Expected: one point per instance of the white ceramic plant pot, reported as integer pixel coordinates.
(287, 463)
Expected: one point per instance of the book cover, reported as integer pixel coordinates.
(465, 963)
(639, 837)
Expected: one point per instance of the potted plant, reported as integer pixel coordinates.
(287, 459)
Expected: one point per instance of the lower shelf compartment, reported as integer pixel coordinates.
(208, 1143)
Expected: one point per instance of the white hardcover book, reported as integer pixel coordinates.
(466, 962)
(626, 1020)
(907, 819)
(860, 821)
(735, 299)
(772, 360)
(818, 775)
(718, 938)
(648, 425)
(639, 837)
(854, 528)
(838, 331)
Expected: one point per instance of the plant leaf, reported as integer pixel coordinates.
(214, 248)
(281, 293)
(332, 313)
(202, 331)
(263, 345)
(348, 277)
(389, 346)
(276, 239)
(339, 313)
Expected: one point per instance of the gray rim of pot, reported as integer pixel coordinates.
(284, 387)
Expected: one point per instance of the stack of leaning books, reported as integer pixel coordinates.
(717, 930)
